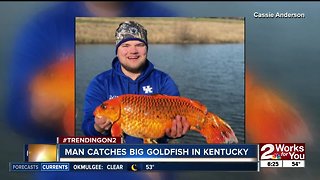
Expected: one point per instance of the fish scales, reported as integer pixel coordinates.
(151, 116)
(148, 117)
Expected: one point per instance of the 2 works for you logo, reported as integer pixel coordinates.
(283, 151)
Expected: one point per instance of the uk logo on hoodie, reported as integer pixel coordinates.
(147, 89)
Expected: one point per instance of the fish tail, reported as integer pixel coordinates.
(215, 130)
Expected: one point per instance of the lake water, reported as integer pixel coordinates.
(212, 74)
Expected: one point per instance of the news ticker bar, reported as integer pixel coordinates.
(134, 166)
(158, 159)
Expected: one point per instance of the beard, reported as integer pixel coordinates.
(138, 69)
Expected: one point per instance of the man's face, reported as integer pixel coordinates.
(132, 55)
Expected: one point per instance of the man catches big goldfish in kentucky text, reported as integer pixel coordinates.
(131, 73)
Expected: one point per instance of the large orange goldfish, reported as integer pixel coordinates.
(57, 82)
(270, 117)
(148, 117)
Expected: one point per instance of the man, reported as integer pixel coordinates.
(131, 73)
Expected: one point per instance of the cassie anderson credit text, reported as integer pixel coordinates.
(278, 15)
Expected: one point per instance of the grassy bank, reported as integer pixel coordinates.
(164, 30)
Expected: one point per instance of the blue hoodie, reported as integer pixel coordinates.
(113, 83)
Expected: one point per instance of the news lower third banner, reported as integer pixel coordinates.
(126, 157)
(157, 153)
(108, 154)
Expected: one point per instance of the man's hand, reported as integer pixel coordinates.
(180, 126)
(102, 124)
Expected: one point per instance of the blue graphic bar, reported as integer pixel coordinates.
(133, 166)
(157, 151)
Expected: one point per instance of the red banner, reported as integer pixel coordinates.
(88, 140)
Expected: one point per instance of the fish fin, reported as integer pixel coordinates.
(116, 130)
(150, 141)
(195, 128)
(198, 105)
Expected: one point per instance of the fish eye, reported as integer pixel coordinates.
(103, 106)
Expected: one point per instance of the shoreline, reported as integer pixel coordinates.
(164, 30)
